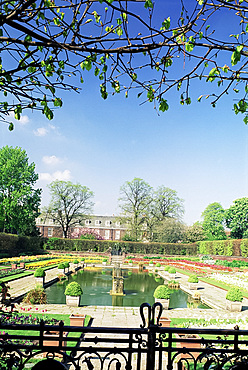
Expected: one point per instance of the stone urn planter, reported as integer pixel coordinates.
(67, 267)
(234, 299)
(14, 266)
(61, 268)
(172, 273)
(22, 265)
(77, 320)
(162, 295)
(193, 282)
(73, 293)
(39, 275)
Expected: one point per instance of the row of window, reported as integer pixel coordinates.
(106, 235)
(87, 222)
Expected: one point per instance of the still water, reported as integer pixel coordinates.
(96, 285)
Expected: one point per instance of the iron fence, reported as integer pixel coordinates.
(149, 347)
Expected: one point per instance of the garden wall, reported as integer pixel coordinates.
(14, 245)
(129, 247)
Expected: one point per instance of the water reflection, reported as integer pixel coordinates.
(96, 285)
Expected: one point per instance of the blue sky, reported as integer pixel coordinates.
(200, 152)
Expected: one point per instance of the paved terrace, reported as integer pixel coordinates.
(108, 316)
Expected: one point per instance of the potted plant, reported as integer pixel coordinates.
(39, 275)
(193, 281)
(172, 272)
(67, 266)
(61, 268)
(75, 263)
(162, 295)
(151, 263)
(104, 261)
(73, 292)
(234, 299)
(130, 263)
(158, 264)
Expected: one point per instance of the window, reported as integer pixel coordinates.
(50, 221)
(117, 234)
(87, 222)
(97, 222)
(117, 224)
(107, 234)
(108, 223)
(49, 231)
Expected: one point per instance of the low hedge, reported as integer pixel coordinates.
(14, 245)
(83, 245)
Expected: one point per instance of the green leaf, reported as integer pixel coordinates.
(166, 24)
(245, 120)
(236, 55)
(163, 105)
(103, 91)
(11, 126)
(148, 4)
(57, 102)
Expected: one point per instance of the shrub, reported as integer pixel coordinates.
(104, 260)
(172, 270)
(234, 294)
(73, 289)
(166, 268)
(39, 272)
(130, 261)
(193, 278)
(61, 266)
(66, 264)
(162, 292)
(158, 264)
(36, 296)
(75, 261)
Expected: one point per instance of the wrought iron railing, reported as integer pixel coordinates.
(148, 347)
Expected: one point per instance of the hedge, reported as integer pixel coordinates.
(84, 245)
(231, 247)
(14, 245)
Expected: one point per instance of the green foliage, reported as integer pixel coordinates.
(39, 272)
(66, 264)
(158, 264)
(166, 268)
(172, 270)
(234, 295)
(73, 289)
(162, 292)
(244, 248)
(213, 222)
(193, 278)
(36, 296)
(129, 247)
(19, 201)
(75, 262)
(52, 52)
(61, 266)
(221, 247)
(236, 218)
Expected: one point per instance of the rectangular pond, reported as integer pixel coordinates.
(97, 283)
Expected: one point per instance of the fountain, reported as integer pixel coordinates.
(117, 281)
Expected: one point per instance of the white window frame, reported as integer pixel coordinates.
(107, 234)
(117, 234)
(87, 222)
(107, 223)
(49, 232)
(97, 222)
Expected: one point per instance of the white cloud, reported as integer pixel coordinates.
(57, 175)
(41, 131)
(51, 160)
(23, 120)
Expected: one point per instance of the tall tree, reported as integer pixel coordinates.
(49, 45)
(213, 221)
(194, 233)
(169, 230)
(237, 218)
(136, 196)
(19, 200)
(166, 203)
(69, 204)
